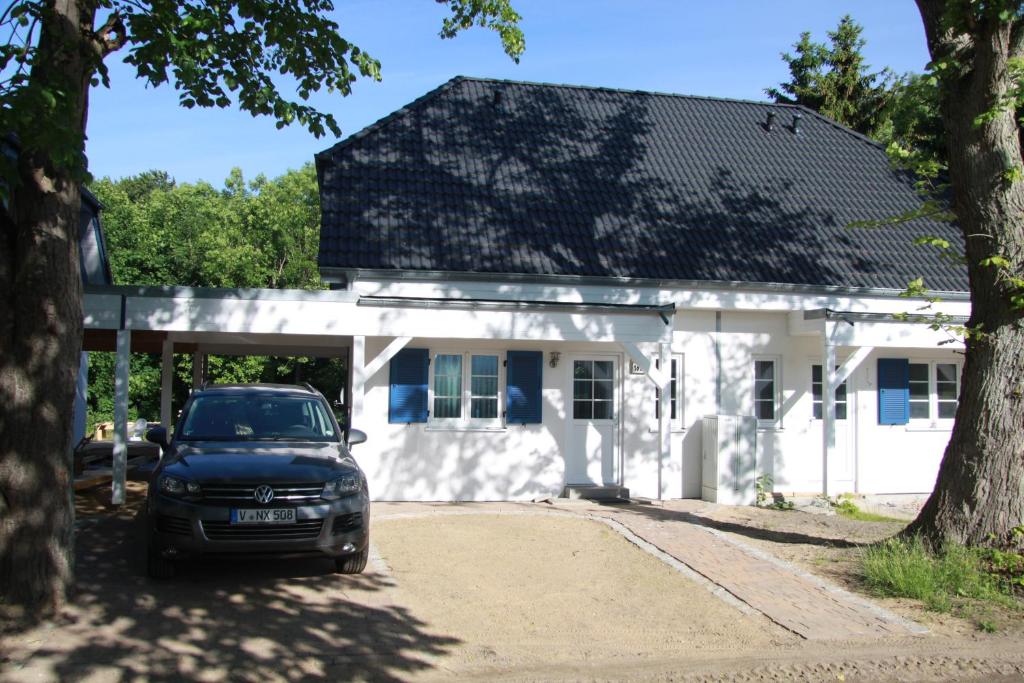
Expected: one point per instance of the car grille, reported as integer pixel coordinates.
(289, 494)
(349, 522)
(177, 526)
(301, 530)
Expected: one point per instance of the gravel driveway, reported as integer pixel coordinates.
(480, 596)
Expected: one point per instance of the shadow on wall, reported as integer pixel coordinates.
(270, 620)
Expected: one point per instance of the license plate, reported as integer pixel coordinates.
(268, 516)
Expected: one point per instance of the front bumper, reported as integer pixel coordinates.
(330, 528)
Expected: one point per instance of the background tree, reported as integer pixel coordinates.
(215, 53)
(835, 81)
(977, 51)
(263, 233)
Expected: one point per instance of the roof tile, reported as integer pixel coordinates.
(569, 180)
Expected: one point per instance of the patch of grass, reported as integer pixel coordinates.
(943, 581)
(848, 509)
(987, 626)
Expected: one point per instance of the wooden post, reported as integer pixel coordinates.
(198, 368)
(828, 402)
(166, 382)
(119, 469)
(358, 380)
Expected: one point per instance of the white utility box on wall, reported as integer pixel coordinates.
(729, 462)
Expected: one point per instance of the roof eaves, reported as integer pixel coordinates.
(611, 281)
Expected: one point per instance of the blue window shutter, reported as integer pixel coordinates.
(523, 387)
(893, 391)
(408, 399)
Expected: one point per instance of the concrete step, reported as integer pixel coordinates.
(592, 492)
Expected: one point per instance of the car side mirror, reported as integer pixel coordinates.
(356, 436)
(158, 435)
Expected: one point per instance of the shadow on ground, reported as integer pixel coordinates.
(775, 534)
(268, 620)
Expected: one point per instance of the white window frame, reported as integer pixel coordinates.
(933, 421)
(678, 423)
(777, 386)
(467, 422)
(616, 397)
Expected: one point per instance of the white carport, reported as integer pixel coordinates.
(337, 323)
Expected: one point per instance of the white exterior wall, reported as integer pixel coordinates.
(882, 458)
(716, 334)
(422, 462)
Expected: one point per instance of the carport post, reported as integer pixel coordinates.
(198, 368)
(119, 467)
(358, 380)
(664, 417)
(828, 403)
(166, 382)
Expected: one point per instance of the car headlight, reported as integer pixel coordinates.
(179, 488)
(344, 485)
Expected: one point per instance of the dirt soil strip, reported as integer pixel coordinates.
(739, 574)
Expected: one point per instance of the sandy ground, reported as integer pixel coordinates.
(525, 590)
(479, 597)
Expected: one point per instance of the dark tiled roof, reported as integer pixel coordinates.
(487, 176)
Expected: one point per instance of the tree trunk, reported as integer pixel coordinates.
(979, 495)
(41, 335)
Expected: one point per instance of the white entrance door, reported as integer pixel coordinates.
(842, 466)
(593, 420)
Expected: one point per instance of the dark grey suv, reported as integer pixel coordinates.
(257, 469)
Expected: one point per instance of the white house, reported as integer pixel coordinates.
(519, 267)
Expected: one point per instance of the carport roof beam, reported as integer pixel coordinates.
(664, 310)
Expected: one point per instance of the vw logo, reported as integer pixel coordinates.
(263, 494)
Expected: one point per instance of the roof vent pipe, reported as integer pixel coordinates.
(771, 121)
(497, 98)
(797, 118)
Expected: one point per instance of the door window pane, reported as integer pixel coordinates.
(448, 386)
(593, 389)
(920, 408)
(817, 389)
(483, 383)
(764, 389)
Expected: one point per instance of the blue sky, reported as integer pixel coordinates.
(726, 48)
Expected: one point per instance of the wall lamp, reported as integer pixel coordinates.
(555, 355)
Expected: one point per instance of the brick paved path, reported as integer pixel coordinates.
(792, 598)
(796, 600)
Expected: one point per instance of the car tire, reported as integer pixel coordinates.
(158, 566)
(352, 564)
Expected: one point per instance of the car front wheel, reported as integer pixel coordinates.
(158, 566)
(352, 564)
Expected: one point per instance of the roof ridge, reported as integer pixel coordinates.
(385, 120)
(626, 91)
(659, 93)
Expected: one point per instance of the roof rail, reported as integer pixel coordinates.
(310, 387)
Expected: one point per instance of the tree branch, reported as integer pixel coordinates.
(111, 36)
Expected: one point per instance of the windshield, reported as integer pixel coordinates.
(257, 417)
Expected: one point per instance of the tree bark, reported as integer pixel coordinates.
(41, 334)
(979, 495)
